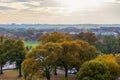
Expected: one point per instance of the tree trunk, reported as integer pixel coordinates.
(77, 69)
(20, 72)
(66, 70)
(55, 70)
(47, 74)
(1, 70)
(48, 77)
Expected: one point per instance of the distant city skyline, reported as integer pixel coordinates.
(60, 11)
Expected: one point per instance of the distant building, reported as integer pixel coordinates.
(106, 33)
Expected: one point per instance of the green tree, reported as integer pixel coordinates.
(18, 54)
(93, 70)
(2, 55)
(6, 49)
(109, 45)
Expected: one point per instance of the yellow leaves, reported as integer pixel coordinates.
(110, 61)
(54, 37)
(35, 52)
(106, 58)
(30, 68)
(93, 70)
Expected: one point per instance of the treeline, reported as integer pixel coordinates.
(93, 58)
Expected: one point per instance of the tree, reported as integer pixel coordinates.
(5, 49)
(46, 55)
(88, 37)
(31, 69)
(66, 58)
(13, 51)
(86, 53)
(118, 39)
(117, 57)
(93, 70)
(109, 45)
(75, 53)
(42, 56)
(53, 37)
(18, 54)
(113, 66)
(54, 49)
(2, 55)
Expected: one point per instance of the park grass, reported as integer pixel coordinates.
(13, 75)
(31, 43)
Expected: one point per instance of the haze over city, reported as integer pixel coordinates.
(60, 11)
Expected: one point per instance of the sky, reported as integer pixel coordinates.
(60, 11)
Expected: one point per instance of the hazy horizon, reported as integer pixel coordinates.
(60, 11)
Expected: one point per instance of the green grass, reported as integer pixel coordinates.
(31, 43)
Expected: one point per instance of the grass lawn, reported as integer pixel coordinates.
(31, 43)
(13, 75)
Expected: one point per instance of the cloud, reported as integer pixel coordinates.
(51, 11)
(9, 1)
(6, 8)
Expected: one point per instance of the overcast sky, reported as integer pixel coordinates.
(60, 11)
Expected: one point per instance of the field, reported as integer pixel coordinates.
(13, 75)
(31, 43)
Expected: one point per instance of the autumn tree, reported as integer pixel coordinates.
(113, 66)
(104, 67)
(54, 37)
(46, 55)
(66, 58)
(54, 49)
(31, 69)
(86, 53)
(88, 37)
(75, 53)
(117, 57)
(93, 70)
